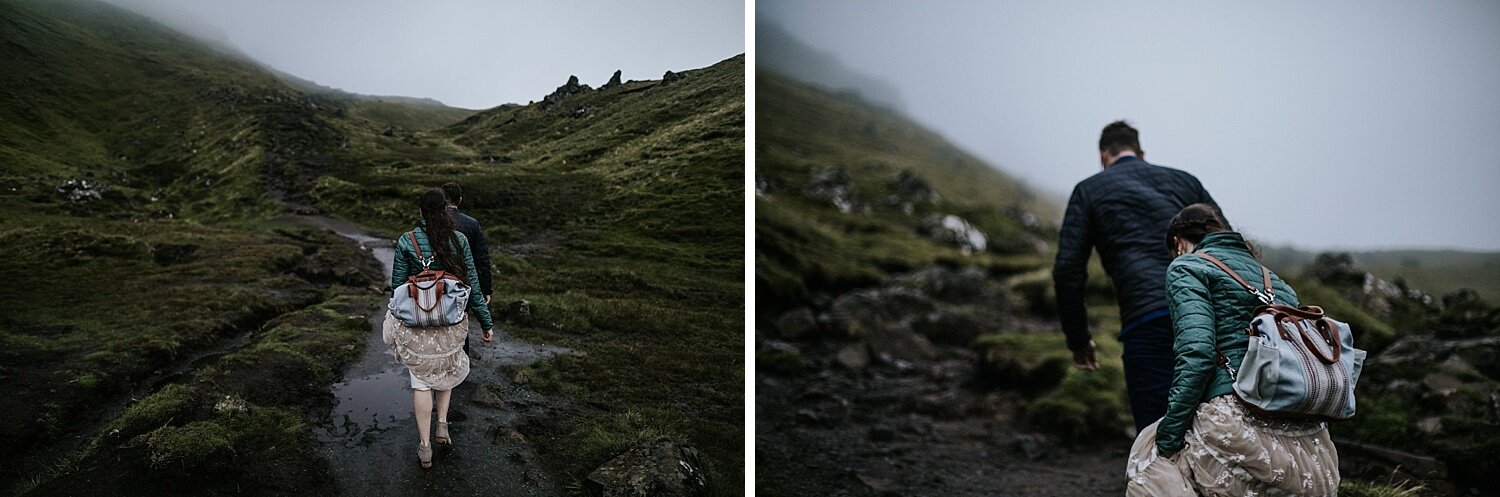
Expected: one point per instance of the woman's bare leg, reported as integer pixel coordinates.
(421, 404)
(443, 397)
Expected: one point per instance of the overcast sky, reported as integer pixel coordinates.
(1369, 124)
(473, 54)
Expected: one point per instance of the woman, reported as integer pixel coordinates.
(1208, 443)
(434, 355)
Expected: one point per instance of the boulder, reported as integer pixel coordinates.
(486, 397)
(833, 187)
(854, 357)
(670, 77)
(955, 231)
(659, 468)
(520, 312)
(899, 343)
(613, 81)
(909, 186)
(796, 323)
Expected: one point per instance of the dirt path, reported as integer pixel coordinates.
(371, 439)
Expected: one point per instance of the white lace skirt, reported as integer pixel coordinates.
(434, 355)
(1231, 452)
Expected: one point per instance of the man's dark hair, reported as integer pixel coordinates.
(454, 192)
(1118, 137)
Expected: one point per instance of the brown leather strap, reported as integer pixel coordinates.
(1265, 273)
(414, 246)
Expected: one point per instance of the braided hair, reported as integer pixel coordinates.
(1193, 223)
(440, 233)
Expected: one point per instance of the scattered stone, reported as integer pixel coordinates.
(796, 323)
(511, 436)
(1032, 447)
(670, 77)
(388, 131)
(953, 230)
(486, 397)
(1431, 425)
(912, 187)
(883, 487)
(660, 468)
(81, 191)
(854, 357)
(894, 344)
(779, 357)
(833, 187)
(520, 312)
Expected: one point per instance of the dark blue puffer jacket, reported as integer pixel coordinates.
(1122, 211)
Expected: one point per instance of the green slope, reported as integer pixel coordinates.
(805, 243)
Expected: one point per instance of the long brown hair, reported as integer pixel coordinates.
(1193, 223)
(440, 233)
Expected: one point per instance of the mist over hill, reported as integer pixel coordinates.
(779, 51)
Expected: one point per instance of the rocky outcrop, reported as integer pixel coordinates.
(670, 77)
(659, 468)
(833, 187)
(81, 191)
(956, 231)
(613, 81)
(555, 99)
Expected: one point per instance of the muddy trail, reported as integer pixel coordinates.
(370, 436)
(914, 432)
(902, 407)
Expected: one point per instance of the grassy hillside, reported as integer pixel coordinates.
(815, 150)
(149, 173)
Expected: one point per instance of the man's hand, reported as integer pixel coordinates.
(486, 300)
(1084, 358)
(489, 335)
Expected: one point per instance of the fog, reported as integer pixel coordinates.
(1353, 125)
(472, 54)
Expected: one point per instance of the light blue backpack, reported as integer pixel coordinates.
(433, 297)
(1299, 363)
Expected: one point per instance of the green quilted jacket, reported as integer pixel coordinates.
(1208, 307)
(406, 264)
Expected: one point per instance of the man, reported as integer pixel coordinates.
(470, 228)
(1123, 212)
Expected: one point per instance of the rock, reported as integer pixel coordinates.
(1335, 269)
(949, 327)
(809, 417)
(960, 286)
(943, 405)
(895, 344)
(486, 397)
(854, 357)
(780, 358)
(660, 468)
(520, 312)
(1431, 425)
(80, 191)
(796, 323)
(862, 311)
(1032, 447)
(883, 487)
(953, 230)
(613, 81)
(511, 436)
(553, 100)
(670, 77)
(388, 131)
(1410, 350)
(912, 187)
(833, 187)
